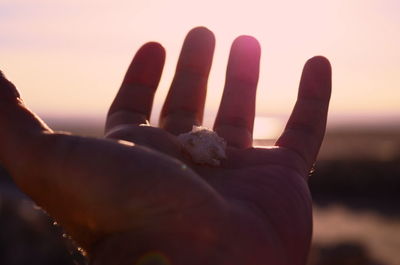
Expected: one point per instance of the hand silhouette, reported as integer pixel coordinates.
(136, 198)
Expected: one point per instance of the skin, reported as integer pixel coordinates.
(142, 200)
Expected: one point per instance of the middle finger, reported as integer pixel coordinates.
(184, 105)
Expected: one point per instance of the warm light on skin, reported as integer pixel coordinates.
(69, 57)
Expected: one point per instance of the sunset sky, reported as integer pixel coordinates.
(68, 57)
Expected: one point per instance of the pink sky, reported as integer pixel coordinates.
(68, 57)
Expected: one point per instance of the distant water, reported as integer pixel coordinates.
(374, 137)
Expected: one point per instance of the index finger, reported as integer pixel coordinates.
(134, 100)
(305, 129)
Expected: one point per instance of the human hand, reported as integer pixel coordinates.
(121, 201)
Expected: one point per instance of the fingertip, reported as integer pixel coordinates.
(246, 39)
(319, 58)
(319, 63)
(316, 80)
(201, 32)
(247, 43)
(244, 60)
(150, 52)
(152, 48)
(147, 65)
(200, 39)
(197, 51)
(153, 44)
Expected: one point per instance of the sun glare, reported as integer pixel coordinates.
(267, 128)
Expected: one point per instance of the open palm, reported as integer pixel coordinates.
(121, 199)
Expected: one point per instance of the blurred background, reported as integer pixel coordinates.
(68, 58)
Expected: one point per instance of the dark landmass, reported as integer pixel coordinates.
(361, 185)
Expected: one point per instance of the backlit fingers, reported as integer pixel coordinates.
(306, 126)
(134, 100)
(184, 105)
(235, 117)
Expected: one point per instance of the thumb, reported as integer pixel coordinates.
(18, 127)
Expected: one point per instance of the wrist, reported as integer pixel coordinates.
(182, 241)
(123, 249)
(134, 249)
(241, 240)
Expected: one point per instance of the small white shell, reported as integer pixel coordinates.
(203, 145)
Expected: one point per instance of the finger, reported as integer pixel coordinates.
(235, 116)
(184, 105)
(134, 100)
(306, 126)
(18, 126)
